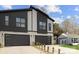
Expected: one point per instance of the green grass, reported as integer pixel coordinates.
(71, 46)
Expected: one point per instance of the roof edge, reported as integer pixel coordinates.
(41, 12)
(15, 10)
(29, 9)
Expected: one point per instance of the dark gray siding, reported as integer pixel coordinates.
(12, 21)
(43, 18)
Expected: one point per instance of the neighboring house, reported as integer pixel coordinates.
(23, 27)
(68, 38)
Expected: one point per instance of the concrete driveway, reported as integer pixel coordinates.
(20, 50)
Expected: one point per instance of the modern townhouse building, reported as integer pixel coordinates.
(23, 27)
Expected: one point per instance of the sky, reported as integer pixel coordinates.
(58, 12)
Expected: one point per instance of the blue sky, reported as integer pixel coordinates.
(57, 12)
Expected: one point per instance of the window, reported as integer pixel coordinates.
(20, 22)
(17, 19)
(65, 41)
(6, 20)
(72, 40)
(42, 25)
(49, 26)
(75, 40)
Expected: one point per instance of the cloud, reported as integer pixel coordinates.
(76, 9)
(7, 6)
(76, 16)
(50, 8)
(73, 17)
(54, 9)
(68, 17)
(58, 20)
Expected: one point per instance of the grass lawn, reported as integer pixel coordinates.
(71, 46)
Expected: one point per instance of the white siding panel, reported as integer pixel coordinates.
(34, 13)
(32, 39)
(29, 19)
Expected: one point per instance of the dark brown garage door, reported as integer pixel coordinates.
(16, 40)
(43, 39)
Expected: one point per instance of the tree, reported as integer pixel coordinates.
(57, 29)
(70, 26)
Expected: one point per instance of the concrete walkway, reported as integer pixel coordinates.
(63, 50)
(20, 50)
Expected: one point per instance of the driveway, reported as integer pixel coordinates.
(20, 50)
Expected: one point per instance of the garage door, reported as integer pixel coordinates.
(16, 40)
(43, 39)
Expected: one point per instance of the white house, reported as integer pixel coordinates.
(68, 38)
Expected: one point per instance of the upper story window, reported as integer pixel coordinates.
(49, 26)
(6, 20)
(20, 22)
(42, 25)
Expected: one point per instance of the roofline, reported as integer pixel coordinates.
(42, 12)
(29, 9)
(15, 10)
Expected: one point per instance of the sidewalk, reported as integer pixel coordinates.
(63, 50)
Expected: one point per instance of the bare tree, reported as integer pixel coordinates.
(69, 26)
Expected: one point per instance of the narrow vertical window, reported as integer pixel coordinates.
(49, 26)
(17, 22)
(22, 22)
(6, 20)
